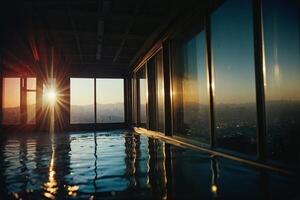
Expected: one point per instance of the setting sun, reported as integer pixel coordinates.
(51, 96)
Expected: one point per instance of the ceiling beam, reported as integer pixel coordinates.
(56, 2)
(72, 46)
(103, 9)
(91, 55)
(89, 34)
(105, 65)
(130, 25)
(83, 14)
(141, 18)
(74, 31)
(101, 63)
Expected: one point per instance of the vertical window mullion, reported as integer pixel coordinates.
(210, 80)
(260, 98)
(95, 102)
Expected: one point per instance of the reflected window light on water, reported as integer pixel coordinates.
(124, 162)
(51, 186)
(214, 188)
(72, 190)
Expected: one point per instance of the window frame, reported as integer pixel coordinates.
(95, 124)
(23, 100)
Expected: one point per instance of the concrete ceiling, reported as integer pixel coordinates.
(105, 34)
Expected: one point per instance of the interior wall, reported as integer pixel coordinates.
(127, 101)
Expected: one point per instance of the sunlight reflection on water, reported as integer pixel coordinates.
(116, 164)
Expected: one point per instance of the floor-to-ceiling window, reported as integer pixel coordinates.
(149, 95)
(110, 100)
(281, 31)
(234, 76)
(234, 69)
(11, 111)
(82, 100)
(190, 89)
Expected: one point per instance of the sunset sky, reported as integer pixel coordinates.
(82, 91)
(109, 91)
(11, 92)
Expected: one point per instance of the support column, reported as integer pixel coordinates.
(95, 103)
(23, 85)
(128, 101)
(168, 88)
(151, 94)
(138, 101)
(39, 99)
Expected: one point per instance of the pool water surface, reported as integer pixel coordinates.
(122, 165)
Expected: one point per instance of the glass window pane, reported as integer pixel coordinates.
(31, 83)
(143, 97)
(82, 100)
(110, 100)
(234, 76)
(282, 82)
(190, 93)
(11, 100)
(160, 92)
(31, 107)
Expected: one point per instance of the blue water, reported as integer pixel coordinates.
(121, 165)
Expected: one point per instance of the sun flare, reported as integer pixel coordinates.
(51, 96)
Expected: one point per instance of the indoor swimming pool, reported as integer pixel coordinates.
(122, 165)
